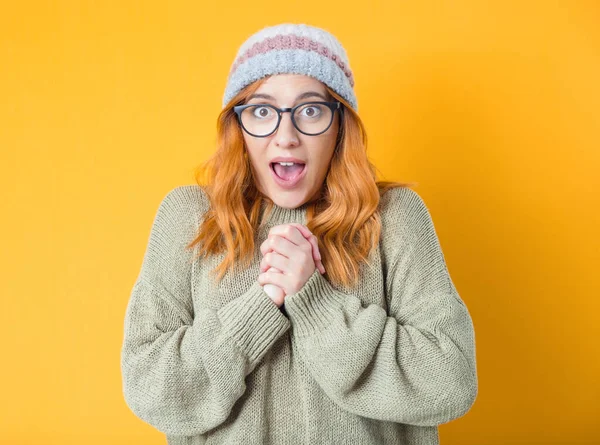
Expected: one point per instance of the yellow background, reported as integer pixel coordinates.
(491, 106)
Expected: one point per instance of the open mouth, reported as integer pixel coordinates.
(287, 173)
(288, 176)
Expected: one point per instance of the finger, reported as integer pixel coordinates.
(291, 234)
(285, 247)
(268, 244)
(321, 267)
(274, 260)
(302, 228)
(315, 246)
(272, 269)
(312, 239)
(308, 236)
(287, 240)
(278, 279)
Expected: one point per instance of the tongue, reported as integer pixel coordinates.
(287, 172)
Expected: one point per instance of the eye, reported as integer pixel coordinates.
(311, 111)
(261, 112)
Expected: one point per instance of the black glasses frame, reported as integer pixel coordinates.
(332, 106)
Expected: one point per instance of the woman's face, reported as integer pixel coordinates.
(315, 152)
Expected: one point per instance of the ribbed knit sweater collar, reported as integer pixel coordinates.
(283, 215)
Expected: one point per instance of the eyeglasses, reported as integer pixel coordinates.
(310, 118)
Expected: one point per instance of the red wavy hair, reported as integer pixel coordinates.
(345, 219)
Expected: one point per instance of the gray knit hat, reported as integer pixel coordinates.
(294, 49)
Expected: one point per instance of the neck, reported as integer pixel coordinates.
(282, 215)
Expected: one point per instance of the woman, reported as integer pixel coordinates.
(330, 351)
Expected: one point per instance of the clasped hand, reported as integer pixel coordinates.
(290, 256)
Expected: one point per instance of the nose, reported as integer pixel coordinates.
(286, 134)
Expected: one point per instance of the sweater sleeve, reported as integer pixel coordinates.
(182, 371)
(413, 364)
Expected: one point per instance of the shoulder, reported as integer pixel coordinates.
(402, 204)
(184, 201)
(187, 196)
(405, 215)
(179, 212)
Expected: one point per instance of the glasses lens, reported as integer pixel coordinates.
(313, 118)
(259, 120)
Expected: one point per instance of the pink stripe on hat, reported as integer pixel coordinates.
(291, 41)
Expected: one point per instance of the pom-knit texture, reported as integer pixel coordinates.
(383, 363)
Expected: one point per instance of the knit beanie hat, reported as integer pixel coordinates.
(294, 49)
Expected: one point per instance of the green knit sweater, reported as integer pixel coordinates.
(382, 363)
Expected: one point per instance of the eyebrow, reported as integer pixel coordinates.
(301, 96)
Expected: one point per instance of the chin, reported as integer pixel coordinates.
(289, 202)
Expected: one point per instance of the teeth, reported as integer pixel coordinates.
(286, 163)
